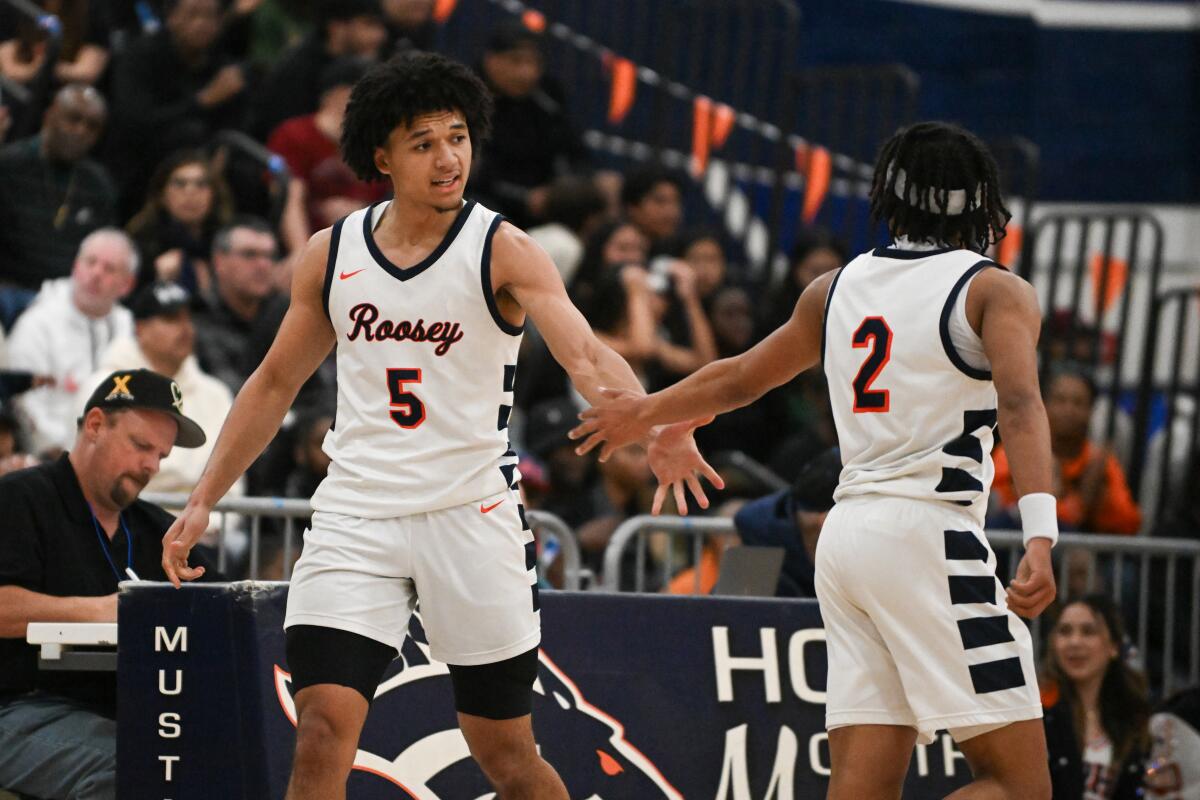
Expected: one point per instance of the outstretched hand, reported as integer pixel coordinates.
(613, 422)
(676, 462)
(178, 542)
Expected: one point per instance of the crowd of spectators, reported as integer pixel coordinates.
(124, 194)
(135, 236)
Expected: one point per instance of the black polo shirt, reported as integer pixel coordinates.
(48, 544)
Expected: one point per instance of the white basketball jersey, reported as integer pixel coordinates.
(913, 418)
(425, 369)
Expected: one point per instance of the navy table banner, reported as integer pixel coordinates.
(638, 697)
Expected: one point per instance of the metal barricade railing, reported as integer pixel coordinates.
(1146, 578)
(1103, 270)
(258, 509)
(1174, 448)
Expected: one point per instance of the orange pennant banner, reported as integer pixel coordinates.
(723, 117)
(534, 20)
(624, 89)
(1113, 282)
(701, 134)
(816, 165)
(1009, 248)
(442, 9)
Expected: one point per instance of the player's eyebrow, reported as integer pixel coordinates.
(417, 134)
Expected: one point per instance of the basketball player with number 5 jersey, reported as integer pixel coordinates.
(425, 297)
(926, 345)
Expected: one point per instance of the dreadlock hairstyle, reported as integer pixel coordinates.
(937, 181)
(398, 91)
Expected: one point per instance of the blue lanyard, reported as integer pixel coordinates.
(104, 548)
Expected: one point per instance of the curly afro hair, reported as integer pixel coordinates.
(916, 172)
(398, 91)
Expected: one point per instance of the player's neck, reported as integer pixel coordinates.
(408, 223)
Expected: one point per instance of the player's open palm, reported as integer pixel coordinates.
(613, 423)
(676, 462)
(1033, 588)
(183, 534)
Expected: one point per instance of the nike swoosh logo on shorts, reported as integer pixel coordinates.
(485, 509)
(345, 275)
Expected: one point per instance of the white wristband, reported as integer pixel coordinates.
(1039, 517)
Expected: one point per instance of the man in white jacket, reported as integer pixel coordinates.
(66, 330)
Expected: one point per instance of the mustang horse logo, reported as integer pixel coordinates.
(585, 744)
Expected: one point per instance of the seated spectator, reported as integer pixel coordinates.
(792, 519)
(569, 480)
(309, 466)
(753, 429)
(703, 252)
(574, 209)
(13, 455)
(1096, 706)
(410, 25)
(628, 316)
(652, 200)
(1089, 483)
(325, 189)
(241, 313)
(626, 489)
(52, 196)
(1174, 769)
(83, 48)
(163, 341)
(532, 141)
(815, 252)
(612, 245)
(74, 529)
(172, 90)
(292, 88)
(66, 330)
(186, 202)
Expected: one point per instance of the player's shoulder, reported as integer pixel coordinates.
(1001, 282)
(512, 246)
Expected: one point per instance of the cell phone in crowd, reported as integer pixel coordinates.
(659, 278)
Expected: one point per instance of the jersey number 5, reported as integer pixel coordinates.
(405, 408)
(875, 334)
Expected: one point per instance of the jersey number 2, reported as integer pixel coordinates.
(405, 408)
(875, 334)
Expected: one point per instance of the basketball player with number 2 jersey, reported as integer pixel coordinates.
(425, 297)
(926, 346)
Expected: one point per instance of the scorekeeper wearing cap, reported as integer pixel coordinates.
(72, 530)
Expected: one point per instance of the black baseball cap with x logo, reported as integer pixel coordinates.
(142, 388)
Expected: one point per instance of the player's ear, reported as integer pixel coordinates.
(381, 161)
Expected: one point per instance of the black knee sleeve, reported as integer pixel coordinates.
(503, 690)
(317, 654)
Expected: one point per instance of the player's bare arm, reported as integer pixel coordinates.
(1003, 308)
(304, 340)
(716, 388)
(525, 280)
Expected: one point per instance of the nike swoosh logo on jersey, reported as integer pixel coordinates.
(346, 275)
(485, 509)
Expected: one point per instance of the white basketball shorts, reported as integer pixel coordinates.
(470, 566)
(917, 630)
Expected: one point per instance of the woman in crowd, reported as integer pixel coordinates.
(187, 202)
(1096, 707)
